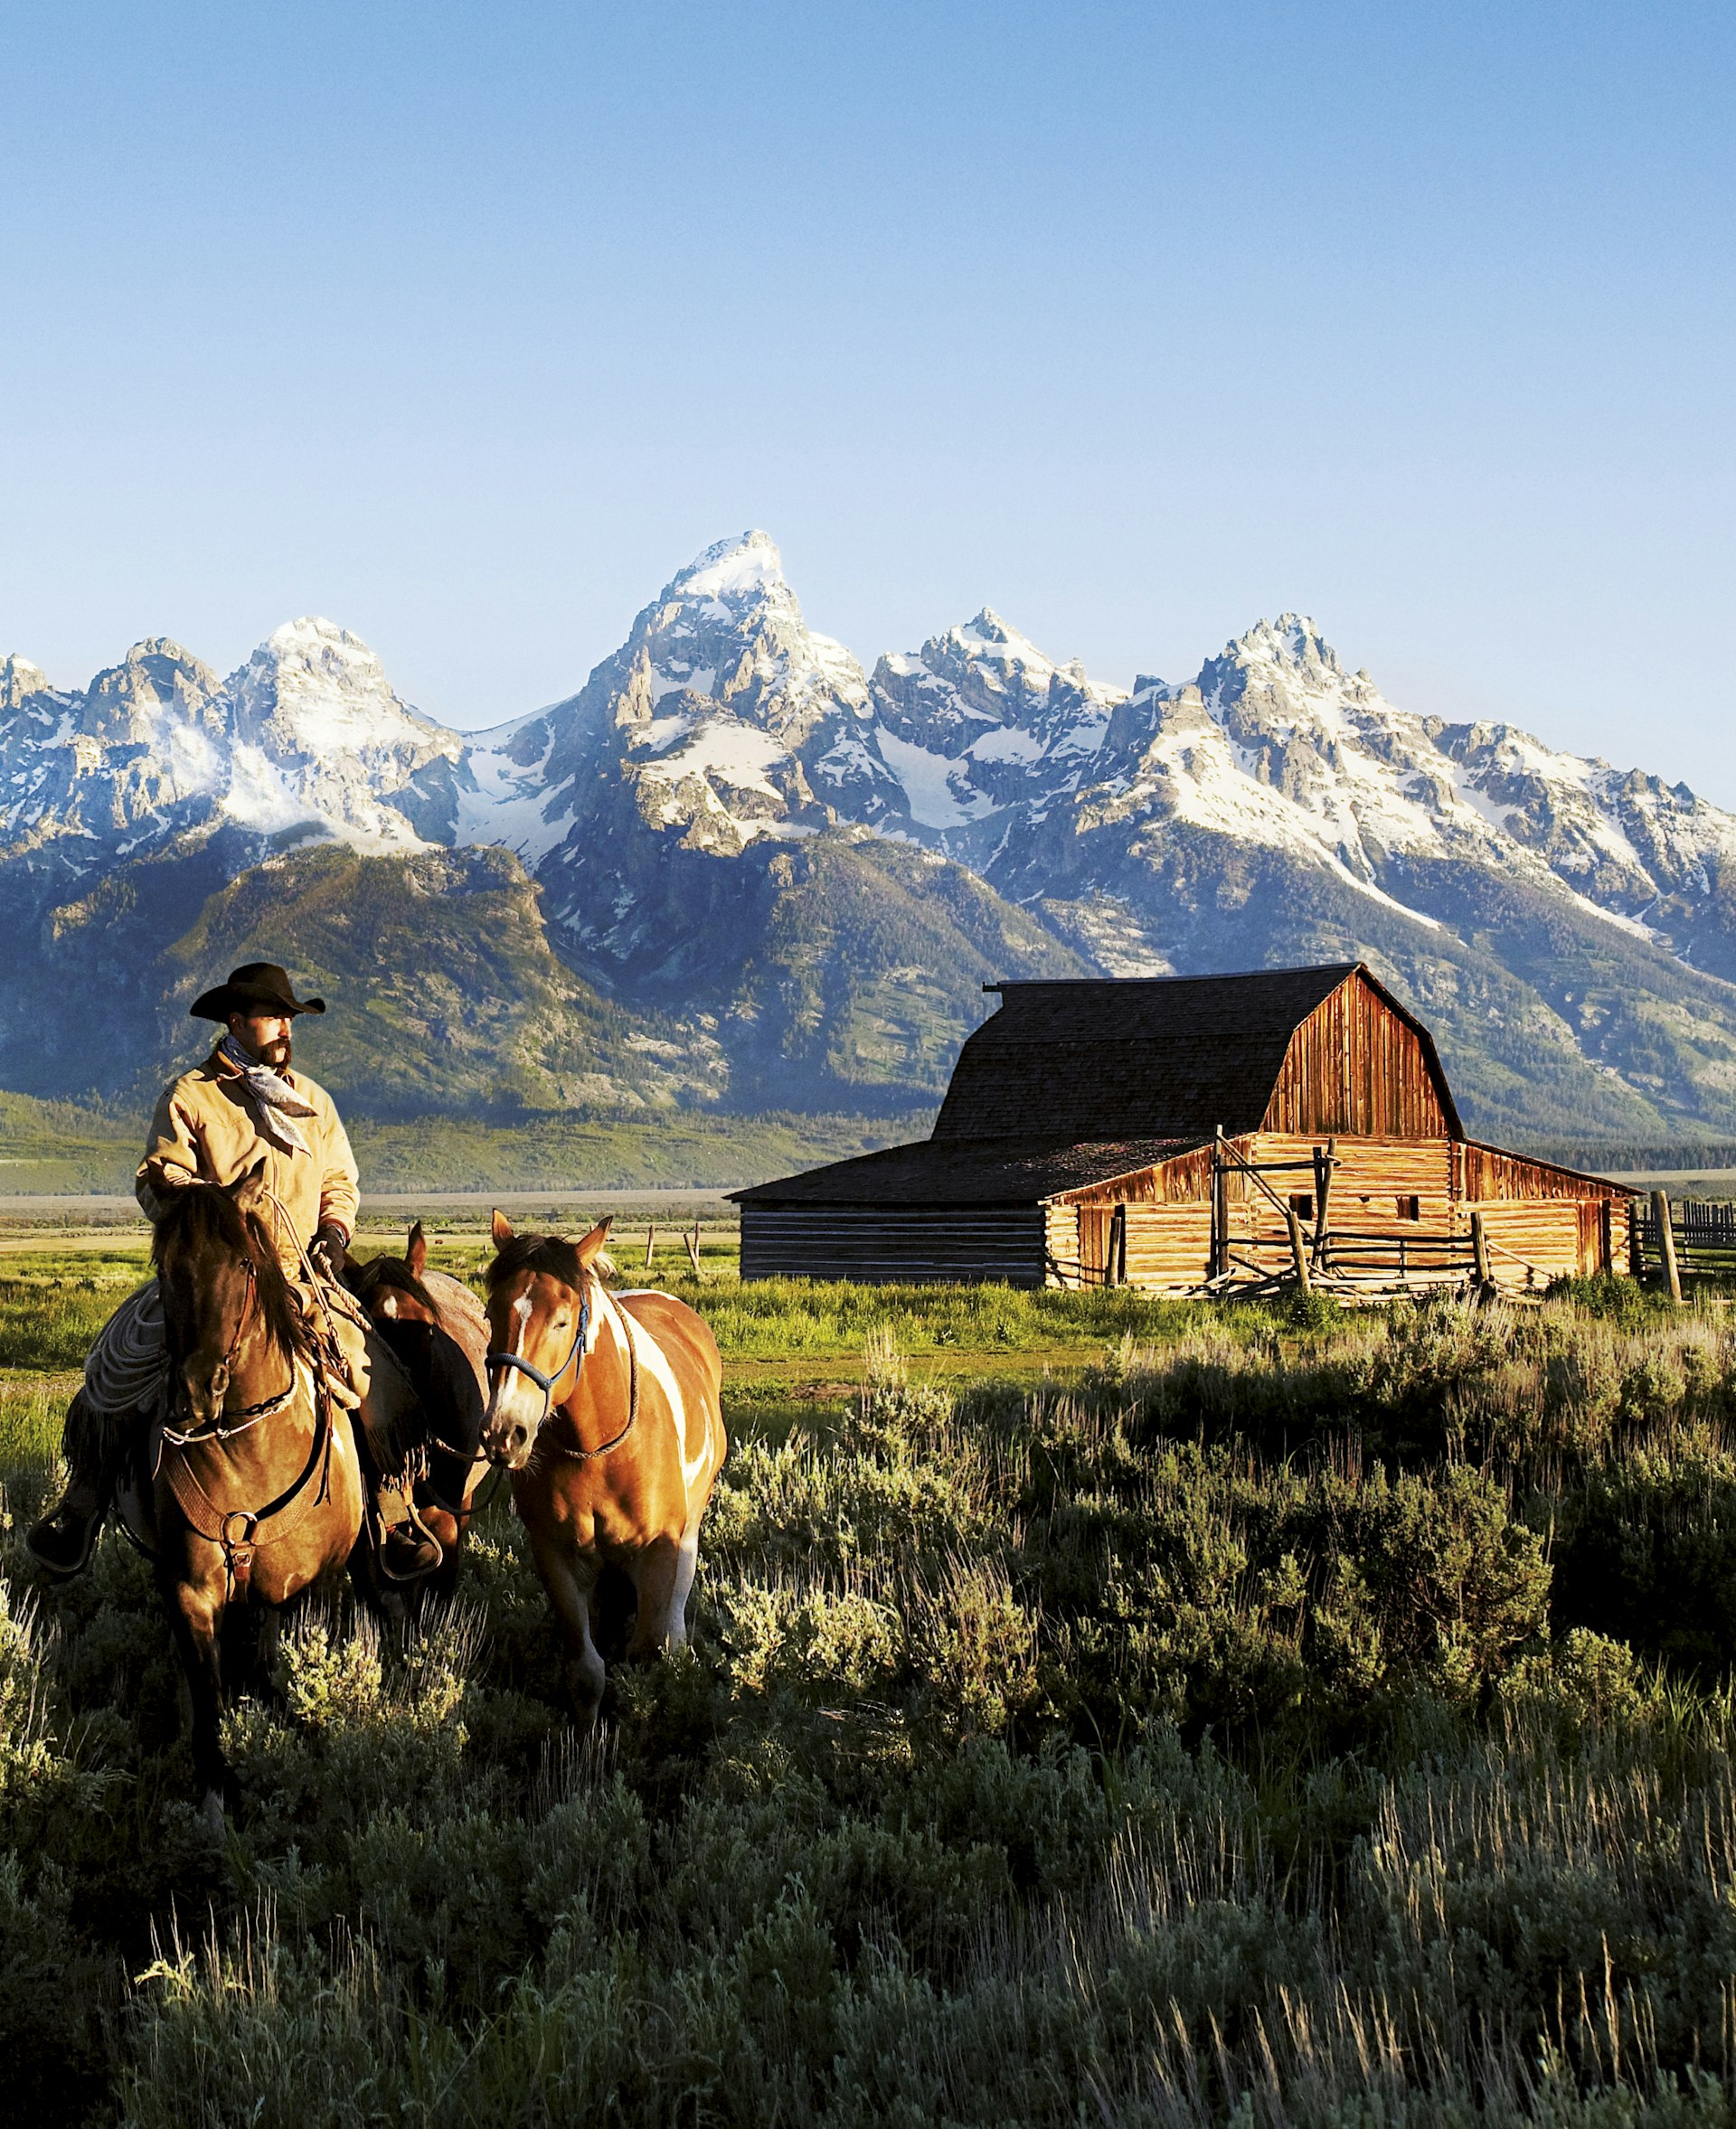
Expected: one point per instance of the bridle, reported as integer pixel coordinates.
(499, 1363)
(245, 1416)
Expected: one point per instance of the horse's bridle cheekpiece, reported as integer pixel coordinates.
(499, 1363)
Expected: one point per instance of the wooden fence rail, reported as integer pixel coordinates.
(1705, 1234)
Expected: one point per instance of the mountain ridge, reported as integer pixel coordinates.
(791, 873)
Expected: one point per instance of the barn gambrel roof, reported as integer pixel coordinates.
(1163, 1057)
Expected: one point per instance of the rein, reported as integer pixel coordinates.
(241, 1531)
(500, 1363)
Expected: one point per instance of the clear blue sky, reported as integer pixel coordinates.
(467, 325)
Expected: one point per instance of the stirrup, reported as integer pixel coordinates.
(383, 1537)
(63, 1570)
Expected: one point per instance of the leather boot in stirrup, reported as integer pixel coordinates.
(62, 1542)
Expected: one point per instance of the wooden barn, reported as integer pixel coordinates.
(1191, 1135)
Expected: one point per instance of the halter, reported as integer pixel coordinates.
(498, 1362)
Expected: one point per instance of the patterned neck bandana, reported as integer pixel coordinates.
(275, 1100)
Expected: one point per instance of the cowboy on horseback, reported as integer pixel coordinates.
(245, 1109)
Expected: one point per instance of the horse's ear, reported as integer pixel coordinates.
(247, 1192)
(502, 1228)
(416, 1253)
(592, 1248)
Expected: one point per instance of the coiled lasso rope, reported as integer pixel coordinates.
(126, 1370)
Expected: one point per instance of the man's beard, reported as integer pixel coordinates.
(278, 1055)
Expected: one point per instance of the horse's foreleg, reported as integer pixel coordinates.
(197, 1619)
(571, 1585)
(662, 1585)
(686, 1562)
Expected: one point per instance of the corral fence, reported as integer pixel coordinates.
(1351, 1262)
(1703, 1232)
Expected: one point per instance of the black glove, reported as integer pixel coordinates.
(329, 1251)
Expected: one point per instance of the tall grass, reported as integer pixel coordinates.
(1324, 1730)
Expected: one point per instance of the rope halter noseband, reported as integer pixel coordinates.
(499, 1363)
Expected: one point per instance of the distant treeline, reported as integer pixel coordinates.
(1622, 1157)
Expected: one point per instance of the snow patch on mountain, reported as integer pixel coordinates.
(503, 795)
(926, 777)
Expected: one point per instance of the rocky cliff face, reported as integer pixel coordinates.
(786, 880)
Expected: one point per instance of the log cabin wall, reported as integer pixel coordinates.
(1543, 1223)
(1355, 1066)
(887, 1244)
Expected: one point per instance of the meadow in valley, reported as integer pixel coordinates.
(1100, 1711)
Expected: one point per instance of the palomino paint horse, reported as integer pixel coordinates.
(606, 1411)
(256, 1491)
(403, 1290)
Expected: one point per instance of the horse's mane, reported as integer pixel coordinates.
(544, 1253)
(395, 1272)
(203, 1216)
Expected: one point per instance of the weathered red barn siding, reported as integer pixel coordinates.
(1355, 1065)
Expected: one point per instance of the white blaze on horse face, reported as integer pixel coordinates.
(516, 1399)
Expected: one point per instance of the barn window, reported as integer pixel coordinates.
(1409, 1208)
(1302, 1204)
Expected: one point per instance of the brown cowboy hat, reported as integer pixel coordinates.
(260, 986)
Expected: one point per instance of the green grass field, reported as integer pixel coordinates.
(1099, 1711)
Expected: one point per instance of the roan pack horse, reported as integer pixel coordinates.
(604, 1408)
(249, 1488)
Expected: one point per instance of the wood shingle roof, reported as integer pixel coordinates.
(1169, 1056)
(965, 1171)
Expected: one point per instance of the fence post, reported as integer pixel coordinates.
(1480, 1252)
(1323, 1168)
(650, 1244)
(1297, 1252)
(1666, 1243)
(1220, 1258)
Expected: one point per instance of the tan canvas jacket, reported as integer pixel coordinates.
(205, 1129)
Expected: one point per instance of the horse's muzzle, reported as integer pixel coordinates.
(204, 1390)
(508, 1446)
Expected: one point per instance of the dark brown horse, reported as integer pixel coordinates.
(606, 1410)
(403, 1297)
(252, 1490)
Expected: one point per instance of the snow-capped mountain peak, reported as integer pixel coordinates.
(743, 567)
(315, 689)
(724, 717)
(21, 681)
(156, 686)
